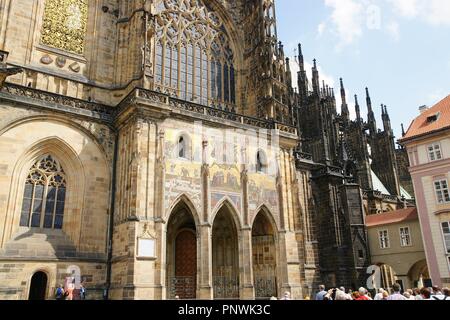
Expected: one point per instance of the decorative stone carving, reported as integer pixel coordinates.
(46, 59)
(61, 62)
(75, 67)
(64, 25)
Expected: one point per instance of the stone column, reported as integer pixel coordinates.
(204, 234)
(289, 269)
(204, 274)
(247, 289)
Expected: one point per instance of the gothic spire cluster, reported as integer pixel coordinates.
(326, 92)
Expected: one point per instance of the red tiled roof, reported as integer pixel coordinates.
(392, 217)
(421, 125)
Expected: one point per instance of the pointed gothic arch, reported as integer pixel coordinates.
(264, 209)
(44, 197)
(225, 253)
(182, 250)
(58, 119)
(227, 203)
(77, 151)
(264, 255)
(74, 174)
(186, 200)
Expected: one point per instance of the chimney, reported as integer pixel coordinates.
(423, 108)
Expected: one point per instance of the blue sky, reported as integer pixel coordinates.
(400, 49)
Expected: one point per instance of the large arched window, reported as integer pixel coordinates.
(64, 25)
(193, 58)
(44, 195)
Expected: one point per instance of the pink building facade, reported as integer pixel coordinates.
(428, 145)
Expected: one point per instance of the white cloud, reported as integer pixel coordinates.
(439, 12)
(347, 17)
(321, 29)
(393, 29)
(435, 12)
(406, 8)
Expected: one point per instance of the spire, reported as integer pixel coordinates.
(368, 100)
(370, 115)
(301, 60)
(281, 49)
(386, 120)
(288, 73)
(344, 110)
(357, 109)
(302, 78)
(315, 80)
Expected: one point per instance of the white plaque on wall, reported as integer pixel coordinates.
(146, 248)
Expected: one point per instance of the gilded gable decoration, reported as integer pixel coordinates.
(64, 25)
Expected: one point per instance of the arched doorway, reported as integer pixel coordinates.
(225, 256)
(264, 258)
(182, 254)
(419, 275)
(38, 286)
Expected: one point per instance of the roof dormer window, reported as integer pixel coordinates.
(433, 118)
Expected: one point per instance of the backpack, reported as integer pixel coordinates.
(59, 293)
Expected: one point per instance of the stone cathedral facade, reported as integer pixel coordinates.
(156, 148)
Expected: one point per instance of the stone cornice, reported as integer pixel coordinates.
(46, 100)
(150, 104)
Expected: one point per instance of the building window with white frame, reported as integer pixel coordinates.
(434, 152)
(405, 237)
(446, 233)
(442, 192)
(384, 239)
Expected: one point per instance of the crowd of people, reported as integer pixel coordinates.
(434, 293)
(69, 292)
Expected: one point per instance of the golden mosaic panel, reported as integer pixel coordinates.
(64, 24)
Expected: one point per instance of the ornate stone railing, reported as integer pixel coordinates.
(329, 170)
(174, 103)
(380, 195)
(108, 113)
(59, 102)
(387, 197)
(303, 156)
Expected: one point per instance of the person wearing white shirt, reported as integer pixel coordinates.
(396, 295)
(379, 295)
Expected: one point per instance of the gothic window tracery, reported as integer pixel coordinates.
(44, 195)
(64, 25)
(193, 57)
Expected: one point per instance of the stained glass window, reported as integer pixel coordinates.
(195, 46)
(44, 195)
